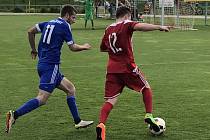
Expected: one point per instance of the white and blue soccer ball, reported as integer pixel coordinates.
(161, 124)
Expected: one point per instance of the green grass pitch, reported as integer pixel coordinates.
(176, 64)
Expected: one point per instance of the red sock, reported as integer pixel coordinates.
(147, 98)
(105, 110)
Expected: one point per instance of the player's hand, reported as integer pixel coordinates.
(165, 28)
(34, 54)
(87, 46)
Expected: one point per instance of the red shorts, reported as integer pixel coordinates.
(115, 82)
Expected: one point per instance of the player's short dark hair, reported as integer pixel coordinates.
(68, 9)
(122, 11)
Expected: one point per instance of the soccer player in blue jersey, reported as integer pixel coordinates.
(53, 34)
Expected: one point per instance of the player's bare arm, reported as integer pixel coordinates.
(77, 47)
(31, 37)
(151, 27)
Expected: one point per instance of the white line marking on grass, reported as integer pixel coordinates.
(205, 90)
(151, 41)
(182, 51)
(207, 72)
(170, 50)
(22, 68)
(95, 66)
(187, 52)
(185, 49)
(192, 91)
(203, 55)
(3, 55)
(184, 62)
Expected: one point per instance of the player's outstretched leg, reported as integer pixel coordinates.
(150, 120)
(83, 124)
(10, 120)
(101, 132)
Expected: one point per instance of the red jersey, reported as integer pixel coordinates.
(117, 41)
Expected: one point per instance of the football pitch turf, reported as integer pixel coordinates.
(176, 64)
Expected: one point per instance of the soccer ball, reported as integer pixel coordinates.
(161, 124)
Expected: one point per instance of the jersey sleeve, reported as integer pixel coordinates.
(40, 26)
(68, 35)
(131, 25)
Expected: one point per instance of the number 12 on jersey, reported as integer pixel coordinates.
(48, 33)
(112, 43)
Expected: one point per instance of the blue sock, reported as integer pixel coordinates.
(27, 107)
(73, 108)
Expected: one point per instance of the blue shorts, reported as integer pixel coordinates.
(50, 76)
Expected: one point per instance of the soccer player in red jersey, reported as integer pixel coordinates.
(121, 68)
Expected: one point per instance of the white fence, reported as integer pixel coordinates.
(26, 8)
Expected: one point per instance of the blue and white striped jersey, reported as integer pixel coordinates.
(54, 33)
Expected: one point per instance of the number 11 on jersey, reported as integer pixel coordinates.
(48, 33)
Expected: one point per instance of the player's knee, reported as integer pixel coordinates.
(43, 97)
(71, 91)
(42, 101)
(112, 101)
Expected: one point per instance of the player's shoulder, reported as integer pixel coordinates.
(113, 25)
(127, 21)
(58, 21)
(130, 22)
(124, 23)
(121, 22)
(61, 23)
